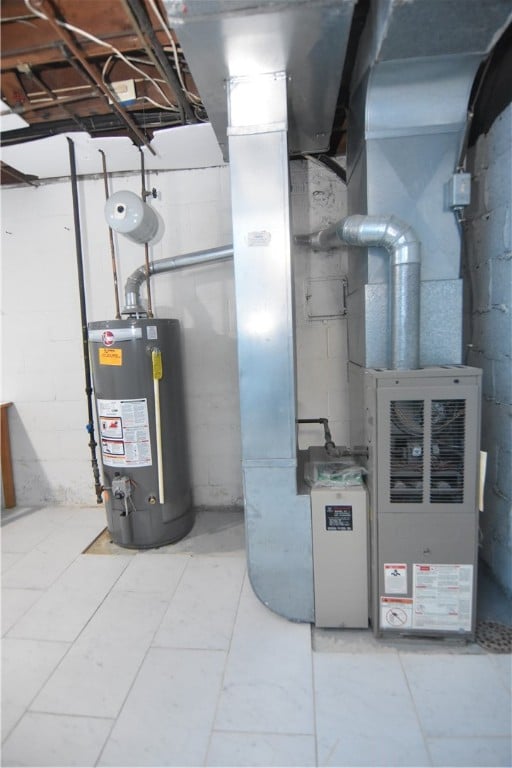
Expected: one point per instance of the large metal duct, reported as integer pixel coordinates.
(411, 83)
(272, 58)
(402, 244)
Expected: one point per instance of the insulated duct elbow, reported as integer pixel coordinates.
(133, 304)
(403, 246)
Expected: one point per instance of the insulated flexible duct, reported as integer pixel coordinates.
(403, 246)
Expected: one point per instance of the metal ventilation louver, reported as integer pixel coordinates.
(447, 451)
(406, 451)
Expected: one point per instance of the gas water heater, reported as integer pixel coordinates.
(137, 376)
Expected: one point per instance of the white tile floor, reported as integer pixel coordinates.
(167, 658)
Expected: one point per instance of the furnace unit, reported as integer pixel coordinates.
(422, 429)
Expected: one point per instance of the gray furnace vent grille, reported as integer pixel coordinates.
(448, 418)
(407, 449)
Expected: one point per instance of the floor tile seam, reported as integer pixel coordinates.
(195, 649)
(503, 684)
(46, 679)
(471, 737)
(226, 660)
(58, 576)
(8, 631)
(369, 652)
(168, 600)
(24, 511)
(121, 706)
(31, 711)
(415, 710)
(313, 689)
(143, 659)
(263, 733)
(77, 637)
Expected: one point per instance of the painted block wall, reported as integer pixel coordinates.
(318, 198)
(489, 329)
(42, 368)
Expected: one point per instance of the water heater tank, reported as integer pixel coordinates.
(137, 376)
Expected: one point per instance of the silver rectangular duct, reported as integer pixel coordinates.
(269, 74)
(411, 85)
(278, 521)
(307, 39)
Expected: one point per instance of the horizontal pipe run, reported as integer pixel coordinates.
(133, 283)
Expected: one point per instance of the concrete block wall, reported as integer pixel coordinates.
(42, 371)
(489, 329)
(318, 198)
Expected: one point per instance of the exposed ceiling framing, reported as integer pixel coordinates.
(108, 68)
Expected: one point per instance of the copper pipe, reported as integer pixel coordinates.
(91, 70)
(111, 238)
(146, 245)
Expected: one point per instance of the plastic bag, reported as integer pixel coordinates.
(333, 474)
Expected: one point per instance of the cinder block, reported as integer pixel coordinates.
(503, 481)
(501, 281)
(501, 558)
(478, 156)
(481, 286)
(499, 137)
(498, 181)
(502, 376)
(337, 343)
(496, 423)
(312, 341)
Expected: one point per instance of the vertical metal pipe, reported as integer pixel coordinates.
(146, 245)
(403, 246)
(83, 314)
(111, 239)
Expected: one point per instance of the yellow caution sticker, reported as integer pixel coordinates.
(156, 358)
(109, 356)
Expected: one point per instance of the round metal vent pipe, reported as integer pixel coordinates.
(403, 246)
(133, 283)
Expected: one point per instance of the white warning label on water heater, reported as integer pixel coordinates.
(443, 597)
(124, 433)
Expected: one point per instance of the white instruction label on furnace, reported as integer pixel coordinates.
(124, 433)
(395, 578)
(443, 596)
(395, 613)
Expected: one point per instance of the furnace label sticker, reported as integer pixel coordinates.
(443, 596)
(338, 517)
(395, 613)
(395, 578)
(124, 433)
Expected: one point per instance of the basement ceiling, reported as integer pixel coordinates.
(107, 68)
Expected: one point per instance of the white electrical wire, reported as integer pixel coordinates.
(188, 93)
(171, 107)
(98, 41)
